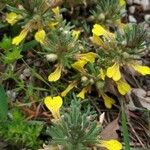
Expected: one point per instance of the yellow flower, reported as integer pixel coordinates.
(56, 10)
(144, 70)
(114, 72)
(12, 18)
(75, 34)
(122, 2)
(89, 57)
(83, 60)
(56, 74)
(111, 145)
(82, 93)
(96, 40)
(52, 25)
(79, 65)
(100, 31)
(123, 87)
(68, 89)
(16, 40)
(40, 36)
(108, 101)
(54, 104)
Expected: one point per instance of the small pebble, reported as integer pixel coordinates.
(137, 1)
(11, 94)
(145, 4)
(129, 2)
(132, 19)
(26, 72)
(22, 77)
(148, 93)
(132, 9)
(147, 17)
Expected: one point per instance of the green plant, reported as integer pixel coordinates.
(20, 132)
(76, 130)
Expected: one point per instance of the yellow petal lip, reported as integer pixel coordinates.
(108, 101)
(54, 104)
(52, 25)
(79, 65)
(98, 30)
(18, 39)
(40, 36)
(12, 18)
(68, 89)
(97, 40)
(83, 59)
(89, 57)
(111, 144)
(56, 74)
(56, 10)
(114, 72)
(123, 87)
(144, 70)
(82, 93)
(75, 34)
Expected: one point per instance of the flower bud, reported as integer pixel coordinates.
(91, 81)
(84, 78)
(101, 16)
(51, 57)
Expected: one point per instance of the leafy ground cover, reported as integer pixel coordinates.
(74, 76)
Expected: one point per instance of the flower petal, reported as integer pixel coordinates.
(52, 25)
(75, 34)
(40, 36)
(99, 31)
(56, 74)
(97, 40)
(114, 72)
(89, 57)
(16, 40)
(12, 18)
(82, 93)
(111, 144)
(54, 104)
(68, 89)
(144, 70)
(79, 65)
(56, 10)
(108, 101)
(123, 87)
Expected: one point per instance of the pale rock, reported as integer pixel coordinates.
(145, 4)
(147, 17)
(27, 72)
(11, 94)
(137, 1)
(132, 9)
(139, 92)
(129, 2)
(22, 77)
(132, 19)
(148, 93)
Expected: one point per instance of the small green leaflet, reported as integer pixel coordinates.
(3, 104)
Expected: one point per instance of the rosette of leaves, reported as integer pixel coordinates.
(75, 130)
(107, 12)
